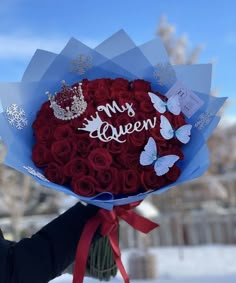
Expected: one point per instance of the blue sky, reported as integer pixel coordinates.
(48, 24)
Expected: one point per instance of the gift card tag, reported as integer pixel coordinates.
(189, 101)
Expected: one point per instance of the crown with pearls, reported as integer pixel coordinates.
(69, 103)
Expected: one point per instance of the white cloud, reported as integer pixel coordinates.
(23, 46)
(20, 47)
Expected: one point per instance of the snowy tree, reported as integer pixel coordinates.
(177, 47)
(20, 195)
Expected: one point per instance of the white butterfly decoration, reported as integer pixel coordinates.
(182, 133)
(161, 164)
(161, 106)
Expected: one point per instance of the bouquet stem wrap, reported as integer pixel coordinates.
(108, 224)
(101, 263)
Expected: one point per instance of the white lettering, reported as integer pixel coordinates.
(106, 132)
(114, 108)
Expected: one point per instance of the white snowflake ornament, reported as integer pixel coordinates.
(16, 116)
(81, 64)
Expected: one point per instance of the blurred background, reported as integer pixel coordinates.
(197, 234)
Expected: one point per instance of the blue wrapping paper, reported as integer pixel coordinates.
(117, 56)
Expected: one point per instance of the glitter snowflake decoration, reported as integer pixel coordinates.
(35, 173)
(16, 116)
(203, 120)
(164, 74)
(81, 64)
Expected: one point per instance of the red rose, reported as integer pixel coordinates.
(104, 83)
(155, 133)
(150, 181)
(120, 84)
(63, 132)
(46, 107)
(122, 120)
(41, 155)
(137, 139)
(89, 91)
(130, 181)
(141, 116)
(170, 117)
(122, 96)
(84, 83)
(39, 122)
(171, 149)
(178, 121)
(101, 96)
(177, 151)
(78, 166)
(91, 86)
(141, 85)
(63, 150)
(141, 95)
(102, 92)
(173, 174)
(84, 144)
(45, 110)
(128, 160)
(147, 106)
(54, 173)
(84, 185)
(115, 147)
(100, 158)
(44, 134)
(46, 116)
(108, 180)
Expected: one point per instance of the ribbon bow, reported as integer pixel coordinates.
(108, 222)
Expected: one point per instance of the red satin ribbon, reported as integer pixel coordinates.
(108, 222)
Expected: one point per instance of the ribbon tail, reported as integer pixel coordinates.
(117, 254)
(138, 222)
(83, 249)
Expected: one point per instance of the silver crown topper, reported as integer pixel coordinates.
(69, 103)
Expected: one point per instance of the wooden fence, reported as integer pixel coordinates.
(179, 229)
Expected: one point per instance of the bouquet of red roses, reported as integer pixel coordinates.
(112, 145)
(121, 127)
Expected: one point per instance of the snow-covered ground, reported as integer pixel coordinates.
(204, 264)
(211, 279)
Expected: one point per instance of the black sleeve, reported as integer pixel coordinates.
(5, 247)
(47, 253)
